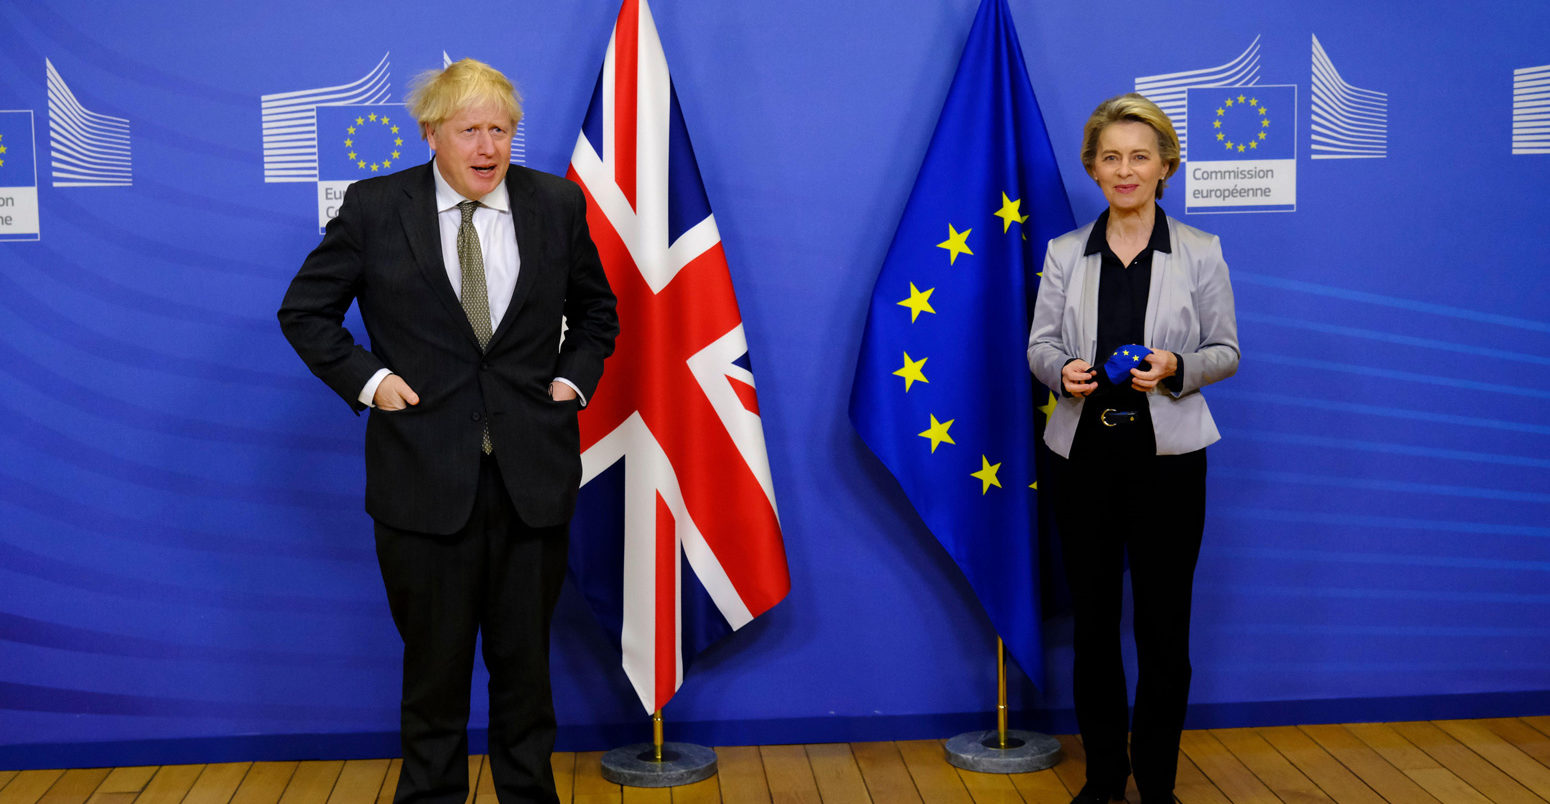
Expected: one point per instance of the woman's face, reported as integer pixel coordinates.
(1128, 167)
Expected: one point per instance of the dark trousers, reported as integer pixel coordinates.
(498, 577)
(1151, 507)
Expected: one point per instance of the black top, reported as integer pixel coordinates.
(1122, 295)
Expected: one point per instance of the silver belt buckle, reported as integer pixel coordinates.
(1120, 417)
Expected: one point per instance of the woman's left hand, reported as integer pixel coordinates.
(1163, 365)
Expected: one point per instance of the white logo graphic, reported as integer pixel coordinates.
(518, 137)
(1348, 123)
(1531, 110)
(86, 149)
(290, 124)
(1169, 90)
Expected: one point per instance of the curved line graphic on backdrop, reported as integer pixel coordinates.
(110, 524)
(22, 630)
(36, 698)
(1170, 90)
(290, 123)
(1348, 122)
(87, 149)
(88, 579)
(1531, 110)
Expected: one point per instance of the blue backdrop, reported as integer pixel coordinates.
(185, 569)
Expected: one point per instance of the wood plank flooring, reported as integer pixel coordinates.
(1496, 761)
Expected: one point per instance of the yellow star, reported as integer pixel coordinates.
(373, 167)
(372, 117)
(1253, 144)
(358, 121)
(1229, 145)
(2, 163)
(1216, 124)
(937, 432)
(1263, 110)
(361, 163)
(911, 371)
(987, 475)
(1220, 136)
(1262, 135)
(1241, 99)
(1253, 101)
(1048, 407)
(398, 140)
(395, 131)
(1034, 485)
(384, 120)
(348, 142)
(918, 302)
(1240, 149)
(1220, 111)
(395, 154)
(1229, 103)
(956, 243)
(386, 164)
(1264, 123)
(1011, 212)
(352, 154)
(2, 149)
(350, 130)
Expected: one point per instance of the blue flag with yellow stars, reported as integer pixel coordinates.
(942, 393)
(364, 140)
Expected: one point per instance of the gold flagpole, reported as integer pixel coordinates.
(656, 734)
(1000, 692)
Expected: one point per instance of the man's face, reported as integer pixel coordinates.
(473, 148)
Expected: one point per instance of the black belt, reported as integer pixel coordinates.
(1114, 418)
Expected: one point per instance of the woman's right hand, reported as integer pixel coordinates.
(1077, 376)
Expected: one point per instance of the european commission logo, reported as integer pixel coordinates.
(360, 141)
(86, 149)
(18, 176)
(333, 136)
(1243, 150)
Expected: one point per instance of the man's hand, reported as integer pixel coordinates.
(1078, 378)
(1163, 365)
(560, 392)
(394, 394)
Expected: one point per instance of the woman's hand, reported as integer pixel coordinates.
(1077, 376)
(1163, 364)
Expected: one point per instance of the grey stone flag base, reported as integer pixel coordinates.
(1025, 751)
(636, 765)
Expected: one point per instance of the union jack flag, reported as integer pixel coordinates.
(676, 541)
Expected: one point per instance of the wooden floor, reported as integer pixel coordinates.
(1497, 761)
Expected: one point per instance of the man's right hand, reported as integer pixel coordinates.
(394, 394)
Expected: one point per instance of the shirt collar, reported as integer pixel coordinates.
(448, 198)
(1097, 240)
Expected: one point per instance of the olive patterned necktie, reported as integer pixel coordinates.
(475, 295)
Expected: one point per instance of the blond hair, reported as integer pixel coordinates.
(1137, 108)
(437, 95)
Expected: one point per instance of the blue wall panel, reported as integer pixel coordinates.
(185, 565)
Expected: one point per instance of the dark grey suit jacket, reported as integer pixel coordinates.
(383, 251)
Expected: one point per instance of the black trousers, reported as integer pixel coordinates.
(498, 577)
(1151, 508)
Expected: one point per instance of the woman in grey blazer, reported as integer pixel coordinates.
(1134, 316)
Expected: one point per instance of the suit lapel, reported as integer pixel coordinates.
(423, 230)
(524, 219)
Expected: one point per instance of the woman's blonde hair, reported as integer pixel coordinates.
(1135, 107)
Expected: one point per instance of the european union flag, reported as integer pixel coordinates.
(18, 168)
(365, 140)
(1242, 123)
(942, 391)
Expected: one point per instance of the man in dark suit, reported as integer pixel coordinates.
(489, 316)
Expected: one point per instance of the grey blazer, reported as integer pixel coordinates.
(1189, 311)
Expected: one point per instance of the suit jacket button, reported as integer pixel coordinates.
(485, 366)
(475, 417)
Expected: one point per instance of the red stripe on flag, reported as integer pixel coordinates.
(666, 671)
(626, 96)
(745, 394)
